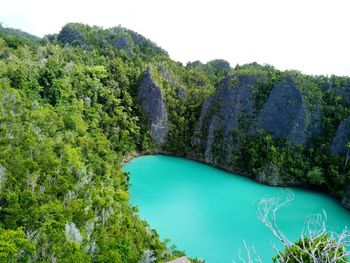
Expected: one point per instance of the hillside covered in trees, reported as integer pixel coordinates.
(75, 104)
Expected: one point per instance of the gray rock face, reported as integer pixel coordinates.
(123, 42)
(181, 93)
(231, 103)
(284, 113)
(342, 137)
(202, 120)
(346, 199)
(70, 35)
(213, 125)
(166, 75)
(151, 99)
(342, 90)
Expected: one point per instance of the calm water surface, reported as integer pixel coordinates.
(208, 212)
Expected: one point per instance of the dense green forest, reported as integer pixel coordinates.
(70, 112)
(67, 119)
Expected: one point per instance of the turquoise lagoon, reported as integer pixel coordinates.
(208, 212)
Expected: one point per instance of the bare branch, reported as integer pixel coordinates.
(316, 242)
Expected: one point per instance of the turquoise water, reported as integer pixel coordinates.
(208, 212)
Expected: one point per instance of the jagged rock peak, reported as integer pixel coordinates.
(117, 37)
(152, 102)
(223, 111)
(284, 113)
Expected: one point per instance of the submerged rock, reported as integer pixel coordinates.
(151, 99)
(341, 138)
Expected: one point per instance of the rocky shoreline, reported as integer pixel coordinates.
(345, 202)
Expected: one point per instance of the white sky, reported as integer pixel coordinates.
(312, 36)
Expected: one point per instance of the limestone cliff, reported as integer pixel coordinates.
(222, 113)
(151, 100)
(236, 120)
(346, 199)
(285, 114)
(342, 137)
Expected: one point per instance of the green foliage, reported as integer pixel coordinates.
(127, 42)
(67, 118)
(213, 71)
(315, 176)
(17, 38)
(14, 246)
(69, 114)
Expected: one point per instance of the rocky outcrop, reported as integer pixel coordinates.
(222, 113)
(117, 37)
(181, 93)
(346, 199)
(342, 89)
(151, 100)
(70, 34)
(284, 113)
(122, 42)
(342, 137)
(270, 175)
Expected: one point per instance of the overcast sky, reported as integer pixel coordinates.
(312, 36)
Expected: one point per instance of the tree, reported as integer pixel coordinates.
(316, 245)
(148, 257)
(315, 176)
(14, 246)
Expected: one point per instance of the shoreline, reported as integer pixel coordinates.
(299, 185)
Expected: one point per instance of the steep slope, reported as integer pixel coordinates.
(341, 138)
(221, 114)
(284, 114)
(269, 125)
(151, 100)
(72, 106)
(16, 37)
(130, 42)
(346, 199)
(67, 118)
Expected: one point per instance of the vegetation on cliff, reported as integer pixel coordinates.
(67, 118)
(70, 110)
